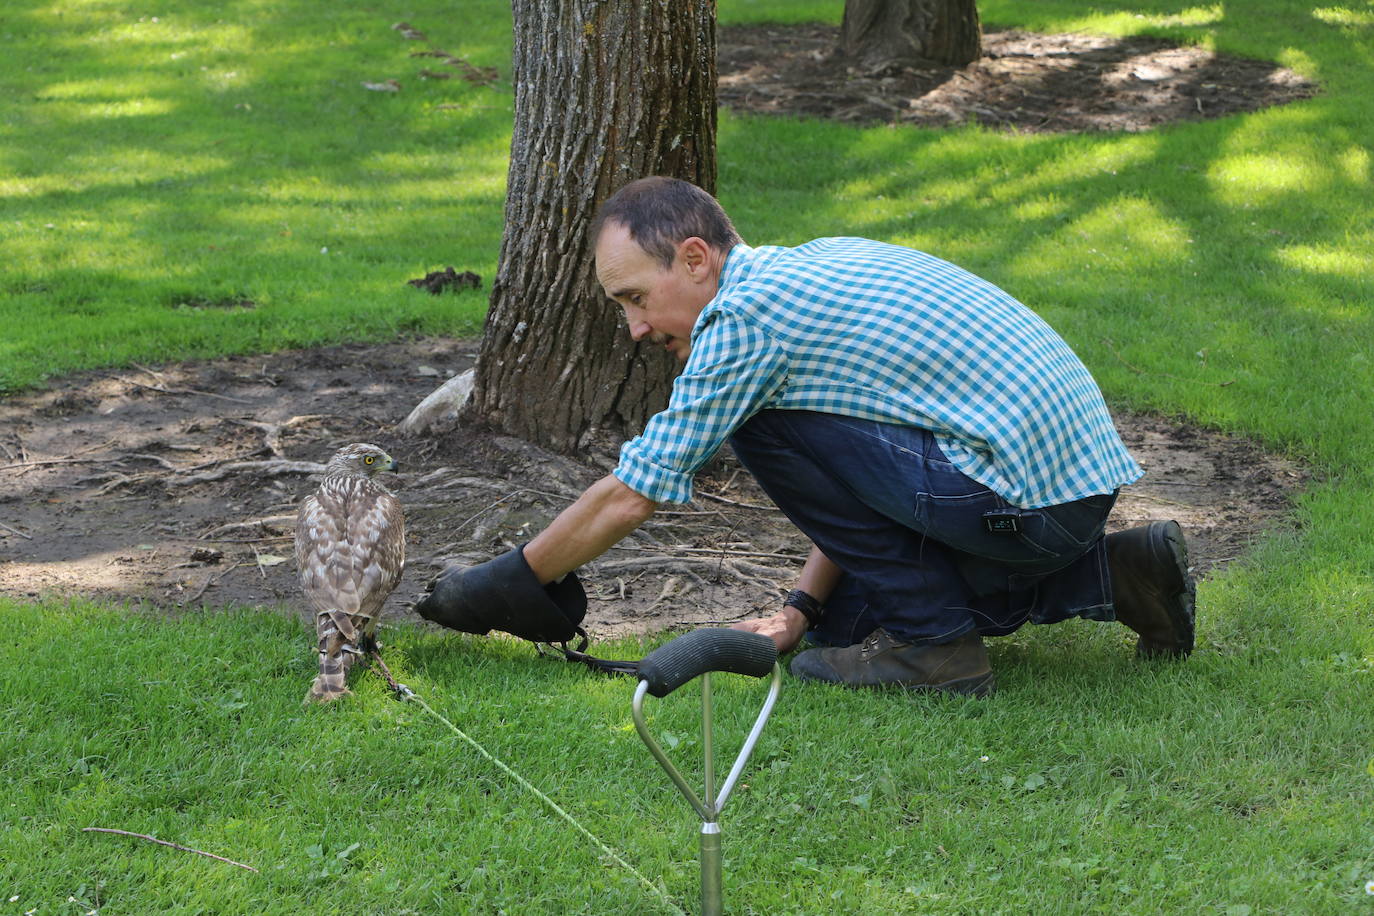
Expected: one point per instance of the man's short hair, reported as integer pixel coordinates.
(660, 212)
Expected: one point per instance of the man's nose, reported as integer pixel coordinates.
(639, 329)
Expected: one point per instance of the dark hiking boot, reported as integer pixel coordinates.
(1152, 589)
(881, 661)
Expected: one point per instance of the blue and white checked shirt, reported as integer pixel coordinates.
(866, 329)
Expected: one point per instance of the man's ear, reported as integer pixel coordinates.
(695, 255)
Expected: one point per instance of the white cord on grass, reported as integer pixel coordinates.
(409, 694)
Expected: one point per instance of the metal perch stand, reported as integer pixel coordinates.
(693, 655)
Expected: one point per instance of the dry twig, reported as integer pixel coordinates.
(262, 540)
(752, 573)
(125, 480)
(150, 839)
(24, 463)
(721, 552)
(1139, 371)
(211, 580)
(271, 432)
(734, 502)
(163, 389)
(267, 521)
(156, 459)
(161, 380)
(272, 468)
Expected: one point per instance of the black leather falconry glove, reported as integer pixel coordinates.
(503, 594)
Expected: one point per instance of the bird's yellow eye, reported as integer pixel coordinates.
(368, 459)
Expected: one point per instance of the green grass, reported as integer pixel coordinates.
(1219, 271)
(211, 154)
(1235, 780)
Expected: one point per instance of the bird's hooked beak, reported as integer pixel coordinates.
(394, 467)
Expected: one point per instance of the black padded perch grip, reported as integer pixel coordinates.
(709, 649)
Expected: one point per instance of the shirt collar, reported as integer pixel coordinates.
(738, 262)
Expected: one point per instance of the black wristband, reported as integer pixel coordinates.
(810, 607)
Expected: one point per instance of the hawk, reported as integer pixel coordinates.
(350, 551)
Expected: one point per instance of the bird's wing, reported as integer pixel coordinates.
(381, 544)
(324, 558)
(350, 546)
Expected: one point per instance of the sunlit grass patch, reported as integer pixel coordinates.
(156, 175)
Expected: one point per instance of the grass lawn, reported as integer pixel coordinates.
(160, 166)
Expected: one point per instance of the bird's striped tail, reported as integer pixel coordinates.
(338, 637)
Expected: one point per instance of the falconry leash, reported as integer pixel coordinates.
(692, 655)
(404, 693)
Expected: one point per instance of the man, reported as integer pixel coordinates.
(949, 457)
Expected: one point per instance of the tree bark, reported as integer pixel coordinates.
(607, 91)
(880, 34)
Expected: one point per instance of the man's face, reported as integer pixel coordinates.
(661, 304)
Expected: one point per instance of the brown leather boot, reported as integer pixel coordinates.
(882, 661)
(1152, 588)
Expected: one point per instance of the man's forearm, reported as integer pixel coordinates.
(818, 576)
(604, 514)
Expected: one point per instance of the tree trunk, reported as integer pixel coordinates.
(879, 34)
(607, 91)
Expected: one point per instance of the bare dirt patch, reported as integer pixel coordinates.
(1024, 82)
(177, 487)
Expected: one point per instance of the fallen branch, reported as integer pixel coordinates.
(156, 459)
(11, 528)
(464, 523)
(261, 540)
(734, 502)
(267, 521)
(150, 839)
(720, 552)
(273, 468)
(271, 432)
(161, 380)
(613, 566)
(69, 459)
(39, 464)
(257, 558)
(765, 576)
(500, 485)
(211, 580)
(124, 480)
(163, 389)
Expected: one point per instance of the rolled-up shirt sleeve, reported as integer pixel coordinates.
(734, 371)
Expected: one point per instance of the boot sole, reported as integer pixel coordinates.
(1182, 610)
(981, 685)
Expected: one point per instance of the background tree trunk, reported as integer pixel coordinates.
(878, 34)
(607, 91)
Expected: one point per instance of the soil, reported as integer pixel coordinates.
(176, 487)
(1024, 82)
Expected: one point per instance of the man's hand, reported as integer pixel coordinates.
(504, 594)
(786, 628)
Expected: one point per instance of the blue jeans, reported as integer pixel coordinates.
(906, 526)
